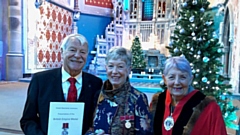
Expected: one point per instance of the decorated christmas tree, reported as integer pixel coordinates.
(138, 61)
(194, 38)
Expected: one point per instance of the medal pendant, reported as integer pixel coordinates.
(127, 124)
(168, 123)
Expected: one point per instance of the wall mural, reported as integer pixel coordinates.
(46, 29)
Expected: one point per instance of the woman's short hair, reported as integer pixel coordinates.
(80, 37)
(118, 52)
(181, 63)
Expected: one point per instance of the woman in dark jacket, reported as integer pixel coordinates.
(121, 109)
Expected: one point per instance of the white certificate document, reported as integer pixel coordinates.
(65, 118)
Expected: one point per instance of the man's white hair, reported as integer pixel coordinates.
(80, 37)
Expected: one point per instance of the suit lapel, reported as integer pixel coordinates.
(86, 86)
(56, 86)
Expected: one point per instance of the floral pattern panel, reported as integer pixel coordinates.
(54, 24)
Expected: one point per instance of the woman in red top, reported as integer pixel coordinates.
(182, 110)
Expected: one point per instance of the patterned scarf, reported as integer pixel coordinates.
(121, 97)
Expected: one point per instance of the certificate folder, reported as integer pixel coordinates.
(65, 118)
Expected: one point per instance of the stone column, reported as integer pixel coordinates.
(14, 57)
(139, 19)
(155, 10)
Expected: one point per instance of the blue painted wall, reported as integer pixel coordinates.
(90, 26)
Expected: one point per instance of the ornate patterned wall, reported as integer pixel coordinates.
(54, 24)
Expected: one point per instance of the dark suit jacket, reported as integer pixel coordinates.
(46, 87)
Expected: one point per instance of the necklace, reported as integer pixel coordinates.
(169, 121)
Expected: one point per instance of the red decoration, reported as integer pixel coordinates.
(59, 38)
(54, 16)
(56, 47)
(41, 10)
(69, 20)
(99, 3)
(40, 56)
(59, 57)
(50, 24)
(47, 34)
(50, 46)
(59, 17)
(53, 36)
(47, 56)
(53, 57)
(64, 19)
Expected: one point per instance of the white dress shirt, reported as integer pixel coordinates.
(66, 83)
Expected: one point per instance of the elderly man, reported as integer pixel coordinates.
(68, 83)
